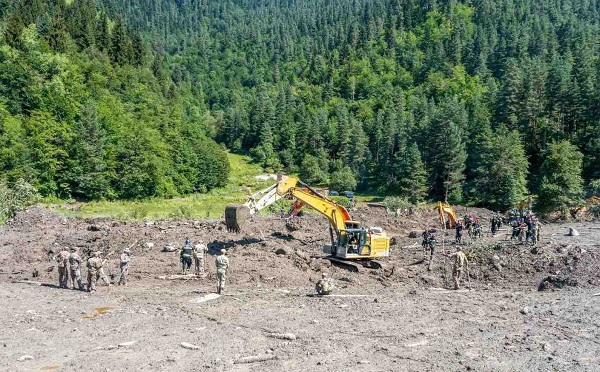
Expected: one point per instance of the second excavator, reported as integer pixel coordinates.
(447, 215)
(352, 245)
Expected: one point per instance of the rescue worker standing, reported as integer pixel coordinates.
(459, 231)
(431, 244)
(425, 241)
(124, 266)
(200, 250)
(75, 268)
(494, 224)
(460, 263)
(63, 266)
(222, 264)
(94, 266)
(186, 256)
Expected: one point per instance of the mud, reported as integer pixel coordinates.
(400, 318)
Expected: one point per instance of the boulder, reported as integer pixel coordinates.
(283, 251)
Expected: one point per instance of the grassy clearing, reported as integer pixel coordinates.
(210, 205)
(242, 182)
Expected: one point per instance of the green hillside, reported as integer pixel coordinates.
(474, 101)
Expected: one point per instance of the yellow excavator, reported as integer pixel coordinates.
(352, 245)
(447, 215)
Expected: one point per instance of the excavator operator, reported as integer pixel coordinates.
(353, 243)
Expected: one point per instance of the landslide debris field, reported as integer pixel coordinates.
(400, 318)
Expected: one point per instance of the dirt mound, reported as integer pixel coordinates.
(553, 282)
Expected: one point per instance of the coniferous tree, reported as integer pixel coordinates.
(102, 32)
(447, 152)
(88, 172)
(411, 179)
(561, 185)
(120, 51)
(501, 169)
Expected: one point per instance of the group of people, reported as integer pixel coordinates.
(471, 224)
(70, 264)
(526, 228)
(197, 252)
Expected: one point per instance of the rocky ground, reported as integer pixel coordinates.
(401, 318)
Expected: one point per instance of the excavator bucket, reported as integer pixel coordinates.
(235, 216)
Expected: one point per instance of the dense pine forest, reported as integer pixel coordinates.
(474, 101)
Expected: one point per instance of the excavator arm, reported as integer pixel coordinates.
(335, 213)
(236, 215)
(446, 211)
(262, 199)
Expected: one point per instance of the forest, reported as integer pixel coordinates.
(479, 102)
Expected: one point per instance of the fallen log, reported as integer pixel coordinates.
(255, 359)
(27, 282)
(179, 277)
(187, 345)
(283, 336)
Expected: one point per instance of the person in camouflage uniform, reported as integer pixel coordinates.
(75, 268)
(325, 285)
(200, 250)
(222, 264)
(460, 263)
(124, 266)
(62, 258)
(186, 256)
(95, 272)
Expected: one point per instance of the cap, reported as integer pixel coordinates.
(223, 251)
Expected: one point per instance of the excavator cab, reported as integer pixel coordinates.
(352, 242)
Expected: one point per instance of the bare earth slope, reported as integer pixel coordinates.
(397, 319)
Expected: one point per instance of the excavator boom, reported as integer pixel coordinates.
(335, 213)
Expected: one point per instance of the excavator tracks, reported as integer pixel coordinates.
(355, 265)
